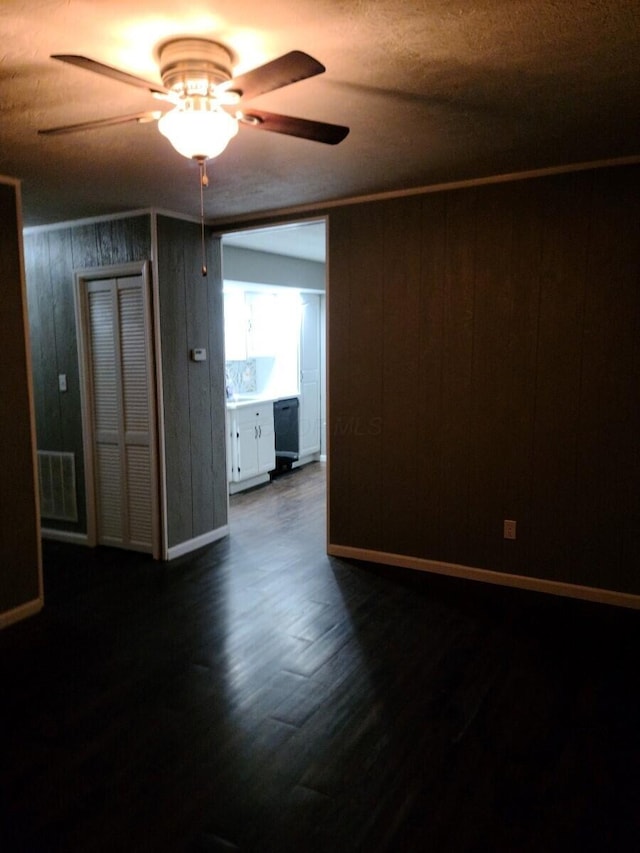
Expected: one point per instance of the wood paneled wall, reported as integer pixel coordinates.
(484, 364)
(51, 256)
(191, 316)
(20, 580)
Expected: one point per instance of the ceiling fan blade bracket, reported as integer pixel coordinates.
(249, 119)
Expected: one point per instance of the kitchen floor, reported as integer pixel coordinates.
(261, 696)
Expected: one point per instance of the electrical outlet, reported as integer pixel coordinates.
(509, 529)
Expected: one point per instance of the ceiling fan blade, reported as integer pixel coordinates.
(317, 131)
(141, 118)
(283, 71)
(109, 71)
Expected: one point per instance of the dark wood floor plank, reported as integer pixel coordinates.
(260, 696)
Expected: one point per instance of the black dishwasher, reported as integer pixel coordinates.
(285, 421)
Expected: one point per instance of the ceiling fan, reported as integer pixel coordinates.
(207, 101)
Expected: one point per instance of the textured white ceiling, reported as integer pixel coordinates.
(434, 91)
(305, 240)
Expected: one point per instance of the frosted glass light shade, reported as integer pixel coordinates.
(197, 128)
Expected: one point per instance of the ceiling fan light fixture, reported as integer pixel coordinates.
(198, 128)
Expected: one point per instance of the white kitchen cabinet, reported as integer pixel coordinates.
(250, 324)
(262, 324)
(235, 325)
(252, 443)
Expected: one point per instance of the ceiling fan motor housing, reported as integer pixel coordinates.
(194, 66)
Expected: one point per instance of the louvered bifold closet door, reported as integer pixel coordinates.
(106, 411)
(121, 412)
(135, 410)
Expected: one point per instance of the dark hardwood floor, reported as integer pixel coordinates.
(261, 696)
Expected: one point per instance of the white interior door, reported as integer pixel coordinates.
(121, 408)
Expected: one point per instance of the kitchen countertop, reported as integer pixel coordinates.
(238, 401)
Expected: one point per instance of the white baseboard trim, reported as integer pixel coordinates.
(305, 460)
(250, 483)
(64, 536)
(568, 590)
(198, 542)
(21, 612)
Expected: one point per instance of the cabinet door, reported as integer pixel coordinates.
(232, 445)
(235, 326)
(248, 462)
(266, 442)
(262, 317)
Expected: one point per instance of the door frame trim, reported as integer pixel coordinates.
(82, 277)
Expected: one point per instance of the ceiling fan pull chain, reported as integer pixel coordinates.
(204, 182)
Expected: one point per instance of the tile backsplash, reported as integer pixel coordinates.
(240, 377)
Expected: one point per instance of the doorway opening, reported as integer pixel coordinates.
(274, 281)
